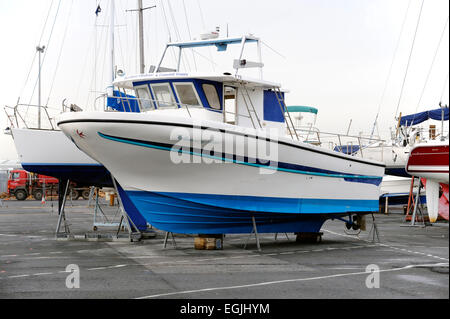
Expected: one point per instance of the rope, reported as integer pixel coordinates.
(35, 53)
(45, 54)
(390, 69)
(189, 32)
(432, 64)
(204, 27)
(168, 29)
(409, 59)
(60, 51)
(175, 26)
(445, 86)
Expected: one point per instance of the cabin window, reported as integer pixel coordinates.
(144, 99)
(187, 94)
(212, 96)
(163, 95)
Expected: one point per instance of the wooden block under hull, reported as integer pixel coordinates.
(208, 243)
(309, 237)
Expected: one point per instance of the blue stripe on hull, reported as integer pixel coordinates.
(233, 158)
(221, 214)
(401, 172)
(89, 175)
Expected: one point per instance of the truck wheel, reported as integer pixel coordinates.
(20, 194)
(38, 195)
(73, 193)
(85, 194)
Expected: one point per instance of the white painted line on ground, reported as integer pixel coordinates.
(97, 268)
(267, 283)
(385, 245)
(18, 276)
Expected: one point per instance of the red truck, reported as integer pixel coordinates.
(22, 184)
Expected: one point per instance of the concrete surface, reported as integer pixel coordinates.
(412, 262)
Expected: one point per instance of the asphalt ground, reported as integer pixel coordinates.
(406, 263)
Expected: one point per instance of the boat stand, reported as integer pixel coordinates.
(416, 203)
(374, 230)
(255, 231)
(133, 231)
(166, 238)
(276, 236)
(101, 220)
(62, 195)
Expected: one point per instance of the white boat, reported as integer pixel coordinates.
(47, 151)
(189, 167)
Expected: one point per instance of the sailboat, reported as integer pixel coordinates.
(49, 152)
(430, 161)
(189, 167)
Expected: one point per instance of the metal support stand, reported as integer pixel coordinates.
(91, 194)
(105, 222)
(167, 238)
(276, 236)
(374, 230)
(416, 206)
(132, 229)
(255, 231)
(61, 204)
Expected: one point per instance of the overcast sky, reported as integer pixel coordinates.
(331, 54)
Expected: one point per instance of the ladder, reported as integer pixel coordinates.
(251, 108)
(284, 111)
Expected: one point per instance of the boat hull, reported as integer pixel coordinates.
(220, 193)
(430, 161)
(50, 153)
(210, 213)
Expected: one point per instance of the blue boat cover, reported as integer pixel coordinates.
(123, 102)
(418, 118)
(347, 149)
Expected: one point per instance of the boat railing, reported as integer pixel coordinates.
(161, 104)
(350, 144)
(17, 115)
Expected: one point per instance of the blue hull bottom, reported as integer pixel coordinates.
(83, 175)
(222, 214)
(400, 172)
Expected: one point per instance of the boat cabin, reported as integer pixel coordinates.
(233, 99)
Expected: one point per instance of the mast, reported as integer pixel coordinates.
(141, 37)
(40, 50)
(110, 88)
(140, 11)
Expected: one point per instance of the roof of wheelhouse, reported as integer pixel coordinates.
(226, 78)
(127, 81)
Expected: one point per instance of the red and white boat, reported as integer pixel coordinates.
(431, 161)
